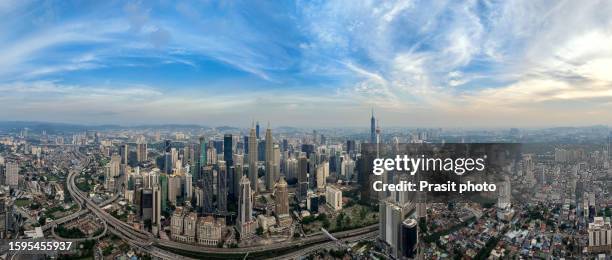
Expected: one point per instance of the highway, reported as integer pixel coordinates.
(147, 242)
(329, 245)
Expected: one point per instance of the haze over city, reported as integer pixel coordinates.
(319, 64)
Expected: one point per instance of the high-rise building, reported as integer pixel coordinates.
(269, 161)
(322, 173)
(190, 227)
(141, 152)
(390, 226)
(12, 174)
(504, 194)
(115, 165)
(146, 204)
(207, 178)
(373, 128)
(163, 183)
(167, 157)
(333, 197)
(238, 172)
(174, 188)
(124, 151)
(600, 235)
(245, 222)
(257, 130)
(157, 210)
(302, 173)
(253, 159)
(222, 189)
(174, 155)
(409, 238)
(176, 224)
(277, 161)
(188, 186)
(281, 196)
(228, 157)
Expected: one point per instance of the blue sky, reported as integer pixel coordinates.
(307, 63)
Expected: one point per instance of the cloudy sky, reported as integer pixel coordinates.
(307, 63)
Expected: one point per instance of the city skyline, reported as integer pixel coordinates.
(476, 64)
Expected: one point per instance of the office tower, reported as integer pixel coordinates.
(109, 180)
(199, 196)
(269, 161)
(207, 188)
(124, 151)
(156, 221)
(261, 150)
(163, 183)
(146, 204)
(167, 157)
(350, 146)
(302, 177)
(257, 130)
(322, 173)
(3, 218)
(174, 188)
(409, 238)
(253, 159)
(390, 226)
(333, 197)
(12, 174)
(222, 191)
(211, 155)
(372, 128)
(504, 194)
(115, 165)
(141, 152)
(174, 157)
(246, 225)
(188, 186)
(238, 173)
(277, 161)
(281, 196)
(228, 157)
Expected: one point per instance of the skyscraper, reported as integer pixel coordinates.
(277, 159)
(302, 177)
(12, 174)
(207, 178)
(163, 183)
(281, 197)
(156, 221)
(202, 158)
(238, 173)
(115, 165)
(167, 157)
(141, 152)
(124, 151)
(373, 128)
(228, 157)
(253, 159)
(222, 192)
(146, 204)
(245, 209)
(227, 150)
(257, 130)
(269, 161)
